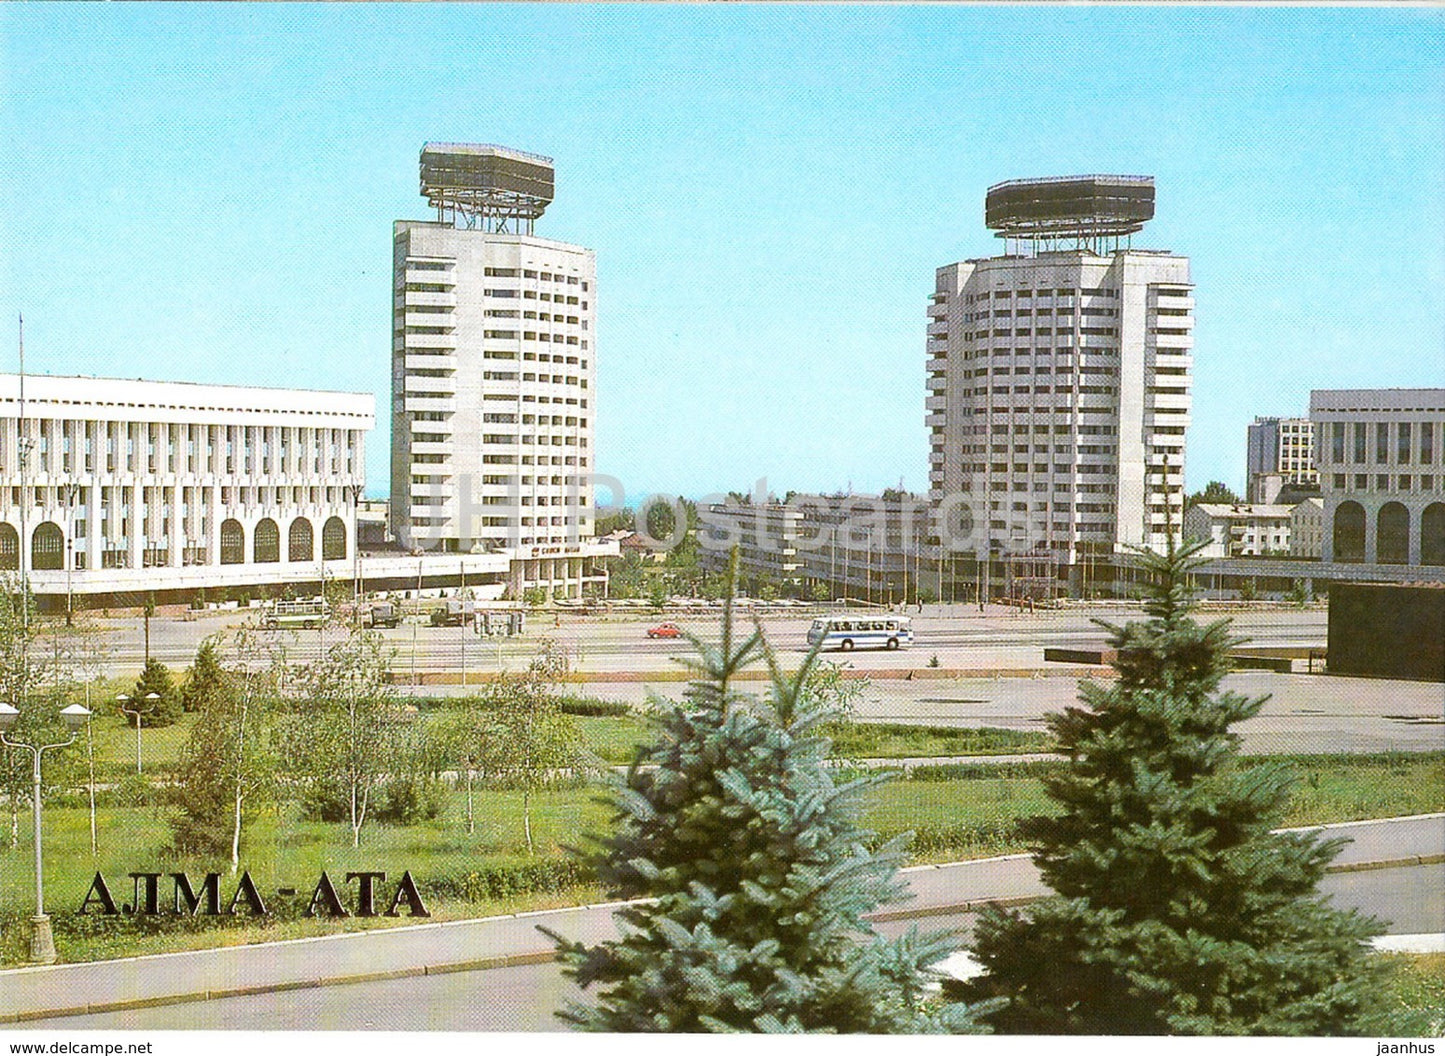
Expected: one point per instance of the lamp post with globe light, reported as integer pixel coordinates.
(136, 713)
(122, 701)
(42, 940)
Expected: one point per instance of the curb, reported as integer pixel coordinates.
(548, 956)
(886, 674)
(974, 904)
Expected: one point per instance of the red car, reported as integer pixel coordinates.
(664, 630)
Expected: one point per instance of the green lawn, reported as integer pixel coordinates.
(1416, 996)
(471, 874)
(115, 746)
(614, 739)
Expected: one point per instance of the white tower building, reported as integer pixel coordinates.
(1059, 376)
(493, 363)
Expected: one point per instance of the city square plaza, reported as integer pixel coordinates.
(990, 670)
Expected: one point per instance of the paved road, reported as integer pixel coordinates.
(960, 636)
(1304, 713)
(522, 997)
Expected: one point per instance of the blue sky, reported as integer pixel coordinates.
(206, 194)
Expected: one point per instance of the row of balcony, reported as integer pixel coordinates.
(430, 278)
(446, 343)
(417, 298)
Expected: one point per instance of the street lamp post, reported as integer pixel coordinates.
(71, 490)
(42, 940)
(123, 700)
(356, 553)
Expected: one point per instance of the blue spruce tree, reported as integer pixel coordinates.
(1177, 911)
(758, 877)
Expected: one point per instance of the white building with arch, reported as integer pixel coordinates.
(112, 486)
(1381, 457)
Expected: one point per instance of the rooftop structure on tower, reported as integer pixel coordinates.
(481, 186)
(1070, 212)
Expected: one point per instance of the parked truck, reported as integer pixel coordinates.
(383, 614)
(454, 612)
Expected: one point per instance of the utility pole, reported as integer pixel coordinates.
(356, 554)
(462, 598)
(22, 450)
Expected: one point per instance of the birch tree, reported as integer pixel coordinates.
(346, 732)
(228, 763)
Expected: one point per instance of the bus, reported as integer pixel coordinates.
(846, 631)
(295, 614)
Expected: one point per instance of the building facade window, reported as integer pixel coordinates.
(299, 545)
(333, 539)
(233, 542)
(1432, 534)
(47, 548)
(9, 548)
(1349, 532)
(1392, 534)
(267, 542)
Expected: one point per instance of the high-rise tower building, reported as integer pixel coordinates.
(493, 362)
(1281, 452)
(1059, 375)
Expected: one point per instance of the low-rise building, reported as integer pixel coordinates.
(765, 535)
(1239, 529)
(859, 546)
(124, 489)
(1307, 529)
(123, 485)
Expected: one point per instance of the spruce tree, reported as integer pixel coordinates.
(757, 873)
(1177, 910)
(155, 678)
(204, 681)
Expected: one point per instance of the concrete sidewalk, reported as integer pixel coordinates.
(102, 986)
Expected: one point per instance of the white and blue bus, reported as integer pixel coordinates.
(862, 632)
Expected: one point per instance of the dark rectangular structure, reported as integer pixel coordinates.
(1387, 630)
(480, 168)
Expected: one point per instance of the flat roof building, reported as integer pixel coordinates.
(493, 368)
(1240, 529)
(1280, 451)
(115, 485)
(1381, 457)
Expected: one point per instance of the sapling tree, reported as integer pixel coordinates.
(754, 873)
(88, 652)
(467, 736)
(20, 670)
(1178, 910)
(529, 739)
(155, 695)
(205, 679)
(36, 677)
(228, 764)
(346, 731)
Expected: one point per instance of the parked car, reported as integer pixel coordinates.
(664, 630)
